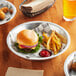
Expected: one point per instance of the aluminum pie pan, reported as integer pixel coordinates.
(9, 16)
(32, 25)
(68, 62)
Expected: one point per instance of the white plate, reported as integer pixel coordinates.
(67, 62)
(8, 15)
(30, 25)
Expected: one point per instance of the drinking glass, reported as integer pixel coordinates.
(69, 10)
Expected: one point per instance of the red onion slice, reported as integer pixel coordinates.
(24, 46)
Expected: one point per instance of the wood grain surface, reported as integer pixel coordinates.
(53, 67)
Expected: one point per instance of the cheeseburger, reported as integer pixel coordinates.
(27, 40)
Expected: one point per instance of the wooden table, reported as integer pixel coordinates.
(53, 67)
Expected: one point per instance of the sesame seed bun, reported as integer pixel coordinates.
(27, 37)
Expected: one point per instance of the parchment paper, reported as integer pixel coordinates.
(23, 72)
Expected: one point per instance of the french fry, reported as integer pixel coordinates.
(44, 40)
(57, 41)
(63, 39)
(51, 46)
(44, 44)
(49, 40)
(53, 42)
(45, 36)
(54, 48)
(58, 47)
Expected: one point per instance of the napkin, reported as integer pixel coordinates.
(23, 72)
